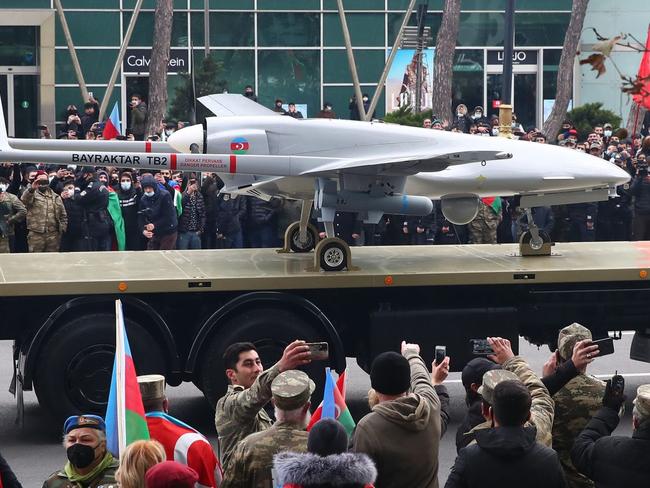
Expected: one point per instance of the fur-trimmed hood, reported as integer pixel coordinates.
(310, 469)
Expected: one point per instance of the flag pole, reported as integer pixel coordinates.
(121, 387)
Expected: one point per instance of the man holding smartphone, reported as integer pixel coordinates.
(577, 402)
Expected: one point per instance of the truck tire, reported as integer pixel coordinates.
(75, 364)
(271, 329)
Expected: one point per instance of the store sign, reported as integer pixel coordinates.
(138, 61)
(528, 56)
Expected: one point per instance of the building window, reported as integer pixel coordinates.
(143, 32)
(226, 29)
(365, 29)
(288, 29)
(467, 84)
(18, 46)
(290, 74)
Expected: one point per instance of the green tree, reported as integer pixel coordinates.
(206, 81)
(405, 116)
(586, 116)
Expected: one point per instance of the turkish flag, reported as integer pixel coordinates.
(643, 98)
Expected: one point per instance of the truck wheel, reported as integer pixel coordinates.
(76, 363)
(271, 330)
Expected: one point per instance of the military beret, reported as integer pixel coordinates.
(292, 389)
(569, 336)
(491, 379)
(84, 421)
(642, 400)
(152, 387)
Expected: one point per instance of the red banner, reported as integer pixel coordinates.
(643, 98)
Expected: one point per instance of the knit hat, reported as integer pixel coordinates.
(149, 181)
(170, 474)
(390, 373)
(326, 437)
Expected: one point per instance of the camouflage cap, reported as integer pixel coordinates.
(491, 379)
(152, 387)
(642, 401)
(292, 389)
(569, 336)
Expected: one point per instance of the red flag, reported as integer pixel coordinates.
(643, 98)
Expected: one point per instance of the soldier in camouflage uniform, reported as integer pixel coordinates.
(89, 464)
(483, 229)
(575, 404)
(46, 216)
(240, 412)
(12, 211)
(516, 368)
(251, 463)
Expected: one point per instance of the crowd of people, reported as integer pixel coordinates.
(551, 430)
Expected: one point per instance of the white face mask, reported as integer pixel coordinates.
(459, 114)
(126, 185)
(365, 99)
(3, 187)
(608, 133)
(149, 193)
(495, 131)
(477, 115)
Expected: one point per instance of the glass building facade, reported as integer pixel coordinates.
(288, 49)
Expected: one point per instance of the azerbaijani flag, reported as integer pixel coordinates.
(333, 404)
(125, 420)
(494, 203)
(112, 125)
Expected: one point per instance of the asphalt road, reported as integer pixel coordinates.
(35, 450)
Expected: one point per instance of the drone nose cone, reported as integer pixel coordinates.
(188, 139)
(618, 175)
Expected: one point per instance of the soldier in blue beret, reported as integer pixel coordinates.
(89, 464)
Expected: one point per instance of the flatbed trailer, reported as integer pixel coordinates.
(183, 308)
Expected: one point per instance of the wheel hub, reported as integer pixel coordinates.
(89, 376)
(334, 257)
(306, 244)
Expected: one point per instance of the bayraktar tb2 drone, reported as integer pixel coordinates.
(370, 168)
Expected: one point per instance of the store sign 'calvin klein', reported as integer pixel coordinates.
(527, 56)
(138, 61)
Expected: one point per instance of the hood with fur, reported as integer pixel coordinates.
(336, 470)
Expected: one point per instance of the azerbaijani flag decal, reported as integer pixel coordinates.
(239, 145)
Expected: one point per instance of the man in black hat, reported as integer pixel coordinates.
(402, 433)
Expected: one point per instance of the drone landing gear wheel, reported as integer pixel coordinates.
(332, 254)
(529, 246)
(293, 242)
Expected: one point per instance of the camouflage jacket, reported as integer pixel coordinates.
(45, 211)
(542, 408)
(575, 404)
(12, 211)
(251, 463)
(240, 412)
(106, 480)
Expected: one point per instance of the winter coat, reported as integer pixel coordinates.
(94, 202)
(138, 119)
(473, 417)
(230, 210)
(349, 470)
(640, 189)
(402, 436)
(130, 204)
(261, 211)
(612, 461)
(158, 210)
(193, 217)
(507, 457)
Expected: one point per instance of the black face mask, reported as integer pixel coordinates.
(80, 455)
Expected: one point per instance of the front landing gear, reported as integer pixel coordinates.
(301, 236)
(332, 254)
(534, 242)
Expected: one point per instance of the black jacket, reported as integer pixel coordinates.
(129, 204)
(349, 470)
(261, 211)
(94, 201)
(158, 210)
(640, 189)
(193, 217)
(7, 476)
(506, 457)
(229, 213)
(612, 461)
